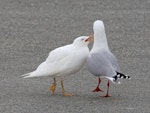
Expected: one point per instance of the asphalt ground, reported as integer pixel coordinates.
(30, 29)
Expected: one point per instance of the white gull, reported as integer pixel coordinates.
(63, 61)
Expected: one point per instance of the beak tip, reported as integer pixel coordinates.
(91, 38)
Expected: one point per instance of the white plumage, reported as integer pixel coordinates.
(64, 60)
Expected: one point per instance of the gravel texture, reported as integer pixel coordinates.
(30, 29)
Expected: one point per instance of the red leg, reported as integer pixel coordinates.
(97, 89)
(107, 95)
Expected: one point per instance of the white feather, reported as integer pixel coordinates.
(64, 60)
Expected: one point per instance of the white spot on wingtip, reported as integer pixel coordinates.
(129, 78)
(118, 75)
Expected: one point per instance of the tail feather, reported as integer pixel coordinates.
(113, 80)
(120, 76)
(34, 74)
(28, 75)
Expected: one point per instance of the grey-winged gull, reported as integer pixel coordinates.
(101, 61)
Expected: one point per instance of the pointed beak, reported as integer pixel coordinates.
(90, 38)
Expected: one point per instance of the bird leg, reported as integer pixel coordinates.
(53, 86)
(63, 91)
(107, 95)
(97, 89)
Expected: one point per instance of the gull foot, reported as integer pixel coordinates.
(106, 96)
(67, 94)
(97, 89)
(52, 88)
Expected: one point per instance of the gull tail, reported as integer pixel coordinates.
(120, 76)
(29, 75)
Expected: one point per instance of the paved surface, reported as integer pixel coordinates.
(29, 29)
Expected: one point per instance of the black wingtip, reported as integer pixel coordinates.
(120, 76)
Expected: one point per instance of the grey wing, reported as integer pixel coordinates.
(99, 65)
(112, 59)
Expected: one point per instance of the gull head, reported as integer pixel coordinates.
(100, 39)
(83, 40)
(98, 26)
